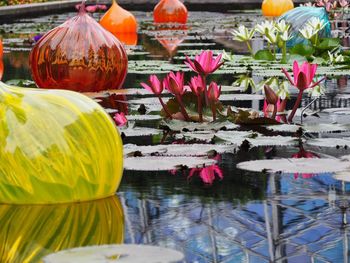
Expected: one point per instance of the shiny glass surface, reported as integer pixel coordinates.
(56, 146)
(170, 11)
(29, 232)
(79, 55)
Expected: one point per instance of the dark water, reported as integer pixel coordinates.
(245, 217)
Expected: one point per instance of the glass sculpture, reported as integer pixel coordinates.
(30, 232)
(170, 11)
(56, 146)
(119, 21)
(275, 8)
(79, 55)
(299, 16)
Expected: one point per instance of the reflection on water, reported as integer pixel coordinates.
(29, 232)
(298, 219)
(245, 217)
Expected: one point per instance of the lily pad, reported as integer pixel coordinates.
(116, 253)
(178, 149)
(311, 128)
(330, 142)
(255, 141)
(164, 163)
(178, 125)
(206, 136)
(138, 131)
(143, 117)
(302, 165)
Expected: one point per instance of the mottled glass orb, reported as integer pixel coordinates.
(79, 55)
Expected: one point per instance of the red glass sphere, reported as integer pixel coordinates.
(170, 11)
(79, 55)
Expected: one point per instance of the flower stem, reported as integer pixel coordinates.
(213, 110)
(204, 80)
(200, 107)
(284, 53)
(182, 108)
(166, 110)
(249, 48)
(296, 105)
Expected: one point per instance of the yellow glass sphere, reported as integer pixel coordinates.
(30, 232)
(275, 8)
(56, 146)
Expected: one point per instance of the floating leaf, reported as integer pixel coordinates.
(311, 128)
(330, 142)
(206, 136)
(138, 131)
(178, 149)
(178, 125)
(301, 165)
(237, 138)
(116, 253)
(143, 117)
(164, 163)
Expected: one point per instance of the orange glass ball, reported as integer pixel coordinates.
(118, 20)
(129, 39)
(170, 11)
(275, 8)
(79, 55)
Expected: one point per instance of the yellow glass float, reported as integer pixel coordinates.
(275, 8)
(56, 146)
(30, 232)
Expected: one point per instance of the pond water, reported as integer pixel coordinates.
(245, 216)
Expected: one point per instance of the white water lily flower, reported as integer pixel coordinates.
(265, 28)
(271, 38)
(227, 56)
(282, 26)
(335, 58)
(316, 23)
(308, 32)
(285, 36)
(243, 34)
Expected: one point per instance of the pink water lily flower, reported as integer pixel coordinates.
(197, 85)
(120, 119)
(303, 79)
(303, 75)
(174, 82)
(214, 92)
(204, 63)
(156, 86)
(207, 174)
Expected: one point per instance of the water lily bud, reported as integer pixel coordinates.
(270, 95)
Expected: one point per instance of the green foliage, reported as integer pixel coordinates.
(264, 55)
(302, 50)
